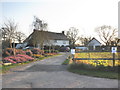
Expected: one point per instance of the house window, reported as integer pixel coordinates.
(55, 41)
(64, 42)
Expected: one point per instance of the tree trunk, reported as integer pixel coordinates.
(10, 43)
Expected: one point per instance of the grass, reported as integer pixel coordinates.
(66, 62)
(100, 74)
(6, 68)
(83, 69)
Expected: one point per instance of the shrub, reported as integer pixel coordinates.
(46, 51)
(50, 51)
(97, 68)
(37, 51)
(81, 66)
(7, 52)
(28, 52)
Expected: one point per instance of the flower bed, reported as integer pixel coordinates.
(12, 55)
(29, 58)
(17, 59)
(38, 55)
(95, 55)
(50, 54)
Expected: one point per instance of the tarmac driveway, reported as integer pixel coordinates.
(49, 73)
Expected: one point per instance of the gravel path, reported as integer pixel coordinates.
(49, 73)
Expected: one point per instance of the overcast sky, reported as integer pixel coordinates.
(60, 15)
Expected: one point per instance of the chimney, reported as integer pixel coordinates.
(63, 32)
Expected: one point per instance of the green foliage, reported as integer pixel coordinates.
(50, 51)
(99, 71)
(66, 62)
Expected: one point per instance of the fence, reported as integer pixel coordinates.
(97, 58)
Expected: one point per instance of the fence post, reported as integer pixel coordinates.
(113, 59)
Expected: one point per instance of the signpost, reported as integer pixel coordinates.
(114, 49)
(73, 53)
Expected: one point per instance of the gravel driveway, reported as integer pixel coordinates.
(49, 73)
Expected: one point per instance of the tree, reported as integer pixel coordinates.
(84, 40)
(114, 42)
(106, 34)
(19, 36)
(8, 31)
(41, 26)
(72, 34)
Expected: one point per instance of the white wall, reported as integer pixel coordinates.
(59, 42)
(94, 43)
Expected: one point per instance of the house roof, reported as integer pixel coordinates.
(50, 35)
(92, 40)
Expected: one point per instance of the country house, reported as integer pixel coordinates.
(47, 38)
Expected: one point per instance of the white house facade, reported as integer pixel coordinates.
(94, 43)
(54, 39)
(59, 42)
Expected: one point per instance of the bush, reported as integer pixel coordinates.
(37, 51)
(29, 53)
(107, 68)
(7, 52)
(46, 51)
(81, 66)
(97, 68)
(50, 51)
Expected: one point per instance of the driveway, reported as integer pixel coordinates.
(49, 73)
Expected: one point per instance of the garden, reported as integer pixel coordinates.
(97, 58)
(98, 64)
(13, 57)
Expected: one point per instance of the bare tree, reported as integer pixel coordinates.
(106, 34)
(72, 34)
(41, 37)
(8, 31)
(84, 40)
(19, 36)
(114, 42)
(39, 24)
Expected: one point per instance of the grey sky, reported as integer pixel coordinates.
(60, 15)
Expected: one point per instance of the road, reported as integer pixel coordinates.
(49, 73)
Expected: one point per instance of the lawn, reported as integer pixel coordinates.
(99, 71)
(100, 74)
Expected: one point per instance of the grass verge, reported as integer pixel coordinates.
(66, 62)
(92, 72)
